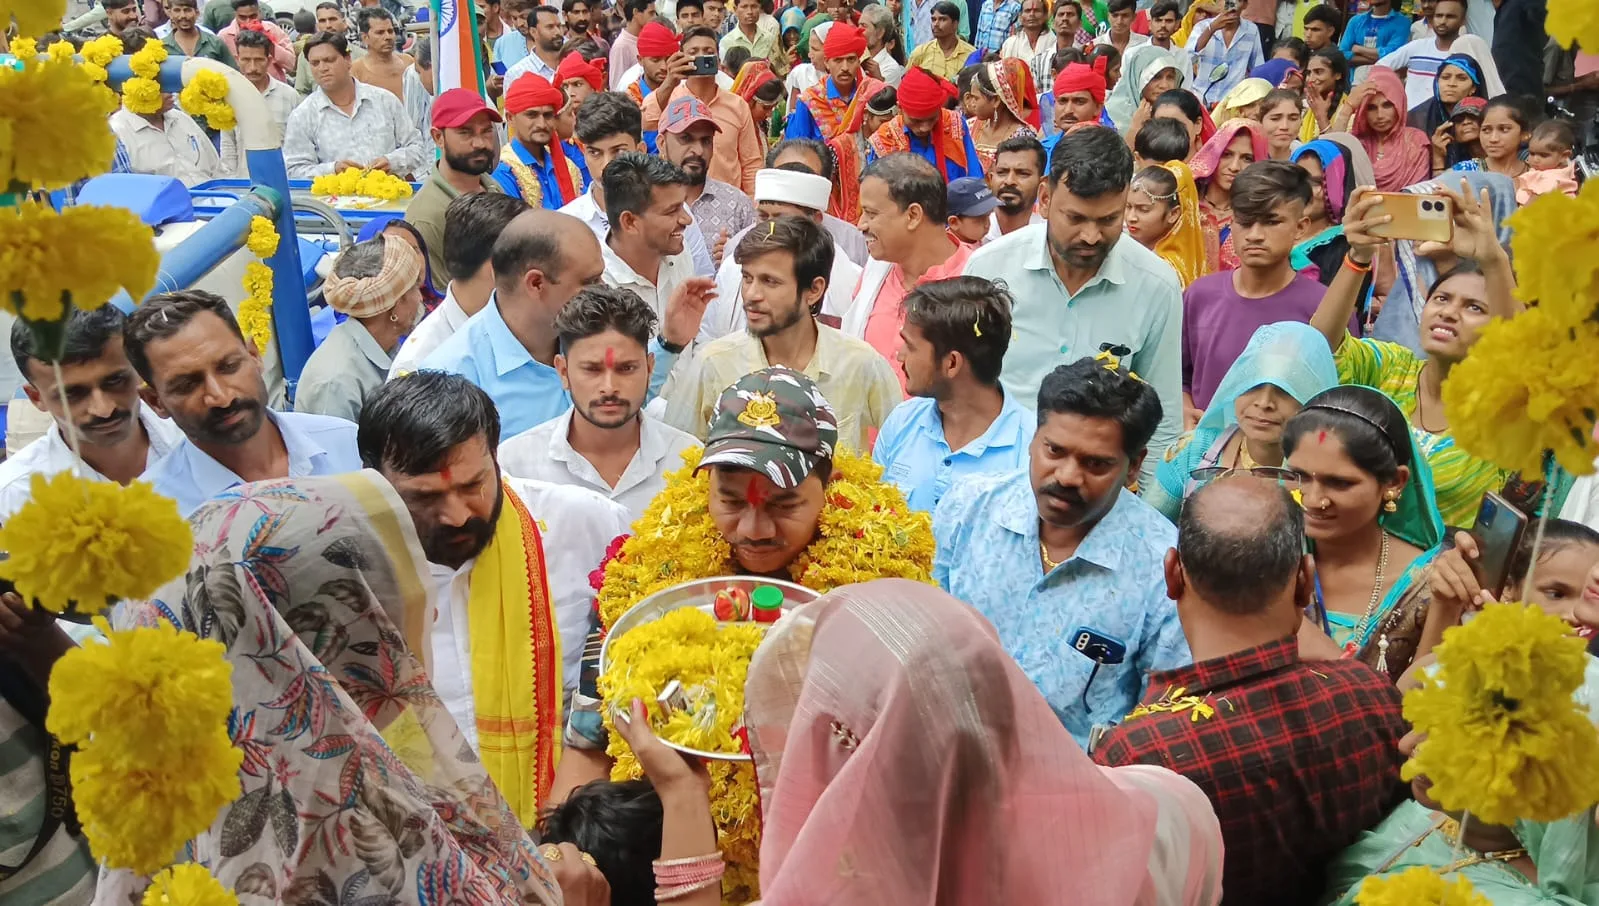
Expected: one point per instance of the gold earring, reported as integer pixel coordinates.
(1390, 502)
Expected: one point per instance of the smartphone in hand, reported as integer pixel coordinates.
(1498, 533)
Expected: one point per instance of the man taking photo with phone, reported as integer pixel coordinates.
(736, 151)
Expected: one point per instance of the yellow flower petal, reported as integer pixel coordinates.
(187, 885)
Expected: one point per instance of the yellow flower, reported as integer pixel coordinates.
(62, 52)
(102, 50)
(187, 885)
(255, 312)
(53, 129)
(370, 183)
(206, 96)
(141, 95)
(1526, 386)
(1419, 887)
(1574, 22)
(263, 239)
(1551, 242)
(24, 48)
(1505, 740)
(86, 251)
(147, 62)
(34, 17)
(87, 541)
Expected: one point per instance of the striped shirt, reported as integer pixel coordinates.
(63, 872)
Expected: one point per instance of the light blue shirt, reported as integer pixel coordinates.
(526, 391)
(510, 48)
(915, 456)
(317, 445)
(986, 530)
(1134, 301)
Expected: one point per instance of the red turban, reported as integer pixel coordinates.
(532, 90)
(573, 66)
(656, 40)
(844, 39)
(1082, 77)
(922, 94)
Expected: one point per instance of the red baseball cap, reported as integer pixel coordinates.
(454, 107)
(684, 112)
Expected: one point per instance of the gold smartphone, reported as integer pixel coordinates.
(1422, 218)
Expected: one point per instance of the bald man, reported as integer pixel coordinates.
(540, 261)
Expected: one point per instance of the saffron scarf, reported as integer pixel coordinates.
(850, 158)
(948, 140)
(838, 116)
(516, 662)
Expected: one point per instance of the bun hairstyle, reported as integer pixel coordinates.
(1374, 432)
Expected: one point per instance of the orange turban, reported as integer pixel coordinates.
(573, 66)
(922, 94)
(1082, 77)
(532, 90)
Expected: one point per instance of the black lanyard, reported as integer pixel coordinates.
(58, 808)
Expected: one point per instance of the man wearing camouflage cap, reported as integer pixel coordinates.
(770, 455)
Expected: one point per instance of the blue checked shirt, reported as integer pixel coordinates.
(1221, 66)
(986, 529)
(996, 23)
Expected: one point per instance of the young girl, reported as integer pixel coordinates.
(1549, 156)
(1280, 114)
(1504, 130)
(1163, 215)
(1234, 147)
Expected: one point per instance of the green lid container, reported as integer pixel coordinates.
(767, 597)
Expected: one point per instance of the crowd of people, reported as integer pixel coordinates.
(1108, 290)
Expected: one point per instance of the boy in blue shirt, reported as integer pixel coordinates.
(1374, 34)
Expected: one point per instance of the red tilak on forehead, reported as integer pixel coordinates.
(610, 357)
(1321, 437)
(444, 473)
(754, 493)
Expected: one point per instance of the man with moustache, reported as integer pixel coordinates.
(545, 37)
(95, 394)
(686, 138)
(1061, 556)
(836, 105)
(205, 376)
(925, 128)
(463, 128)
(1019, 167)
(509, 559)
(605, 442)
(534, 166)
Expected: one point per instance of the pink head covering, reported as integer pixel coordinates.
(1208, 158)
(903, 757)
(1402, 156)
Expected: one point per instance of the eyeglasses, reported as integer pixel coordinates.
(1284, 478)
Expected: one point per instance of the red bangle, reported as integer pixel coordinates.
(1356, 266)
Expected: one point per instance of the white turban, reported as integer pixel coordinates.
(807, 190)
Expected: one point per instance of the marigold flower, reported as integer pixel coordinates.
(206, 95)
(255, 312)
(24, 48)
(263, 239)
(1505, 740)
(1419, 887)
(1574, 22)
(34, 17)
(187, 885)
(1552, 239)
(84, 541)
(146, 64)
(142, 96)
(84, 252)
(53, 129)
(101, 51)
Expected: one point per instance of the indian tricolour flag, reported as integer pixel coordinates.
(457, 51)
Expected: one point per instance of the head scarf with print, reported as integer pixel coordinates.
(1434, 113)
(380, 224)
(891, 731)
(1204, 165)
(1013, 82)
(1402, 155)
(355, 777)
(1276, 72)
(1140, 67)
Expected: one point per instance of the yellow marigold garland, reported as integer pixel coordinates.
(263, 239)
(53, 129)
(84, 252)
(1419, 887)
(79, 540)
(206, 95)
(1505, 740)
(98, 54)
(187, 885)
(34, 17)
(24, 48)
(255, 312)
(369, 183)
(1574, 22)
(1552, 242)
(142, 93)
(866, 532)
(1528, 385)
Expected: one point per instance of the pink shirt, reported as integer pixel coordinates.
(281, 66)
(888, 316)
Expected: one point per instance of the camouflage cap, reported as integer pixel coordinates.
(774, 421)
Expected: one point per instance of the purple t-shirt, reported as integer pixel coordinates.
(1217, 325)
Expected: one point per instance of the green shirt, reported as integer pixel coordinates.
(209, 46)
(218, 13)
(426, 213)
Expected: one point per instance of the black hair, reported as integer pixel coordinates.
(1298, 48)
(811, 146)
(1339, 66)
(566, 5)
(545, 8)
(1163, 7)
(329, 4)
(1120, 6)
(115, 4)
(134, 39)
(1163, 140)
(337, 42)
(1559, 131)
(1065, 56)
(1088, 388)
(1183, 100)
(968, 315)
(472, 223)
(1024, 144)
(735, 58)
(630, 182)
(948, 10)
(887, 98)
(410, 424)
(770, 91)
(304, 21)
(1463, 266)
(1558, 534)
(1281, 95)
(1374, 432)
(1106, 52)
(1328, 15)
(84, 337)
(619, 824)
(518, 251)
(1239, 563)
(163, 316)
(363, 18)
(964, 79)
(1091, 162)
(1265, 184)
(695, 4)
(1159, 183)
(177, 4)
(631, 8)
(249, 37)
(912, 180)
(596, 309)
(608, 113)
(803, 238)
(698, 31)
(235, 4)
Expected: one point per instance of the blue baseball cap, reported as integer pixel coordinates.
(970, 197)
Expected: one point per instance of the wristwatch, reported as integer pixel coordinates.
(669, 346)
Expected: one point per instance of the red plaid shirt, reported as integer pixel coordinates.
(1298, 759)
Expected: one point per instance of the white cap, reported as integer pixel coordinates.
(819, 33)
(807, 190)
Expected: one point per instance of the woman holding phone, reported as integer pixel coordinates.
(1476, 285)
